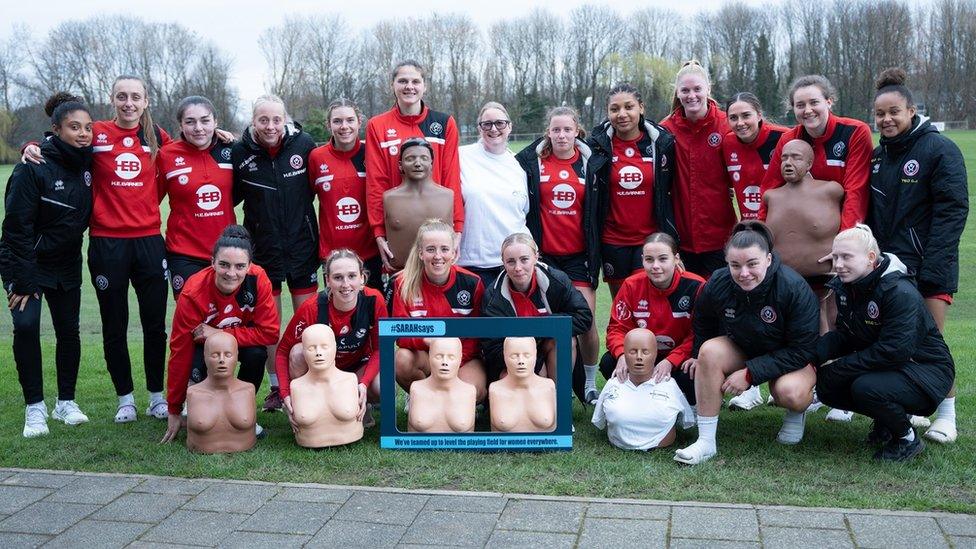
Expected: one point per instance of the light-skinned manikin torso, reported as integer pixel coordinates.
(220, 414)
(803, 214)
(522, 401)
(407, 206)
(442, 403)
(325, 401)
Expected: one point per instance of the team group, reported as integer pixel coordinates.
(839, 298)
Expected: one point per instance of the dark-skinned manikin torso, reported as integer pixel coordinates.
(415, 200)
(442, 403)
(326, 401)
(220, 409)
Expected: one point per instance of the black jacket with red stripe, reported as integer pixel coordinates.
(278, 203)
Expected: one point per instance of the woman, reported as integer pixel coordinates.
(409, 117)
(233, 295)
(702, 209)
(919, 205)
(196, 173)
(530, 288)
(660, 299)
(563, 211)
(352, 310)
(338, 178)
(887, 356)
(47, 207)
(629, 164)
(495, 193)
(746, 150)
(841, 146)
(430, 285)
(271, 177)
(754, 322)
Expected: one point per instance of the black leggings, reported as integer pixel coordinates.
(885, 397)
(687, 385)
(251, 368)
(113, 262)
(65, 306)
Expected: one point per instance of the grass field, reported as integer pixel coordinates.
(831, 467)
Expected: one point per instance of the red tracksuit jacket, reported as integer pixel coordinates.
(385, 133)
(248, 314)
(199, 185)
(338, 178)
(125, 199)
(667, 313)
(747, 163)
(702, 207)
(841, 154)
(459, 296)
(357, 335)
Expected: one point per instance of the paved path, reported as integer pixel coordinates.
(65, 509)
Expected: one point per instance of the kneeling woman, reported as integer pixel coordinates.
(755, 322)
(233, 295)
(887, 356)
(530, 288)
(432, 285)
(352, 310)
(660, 299)
(47, 211)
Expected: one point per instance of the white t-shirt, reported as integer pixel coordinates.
(638, 417)
(496, 201)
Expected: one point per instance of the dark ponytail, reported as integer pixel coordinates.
(235, 236)
(61, 104)
(750, 233)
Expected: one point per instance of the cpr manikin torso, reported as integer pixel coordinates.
(325, 401)
(442, 403)
(803, 214)
(522, 401)
(407, 206)
(220, 414)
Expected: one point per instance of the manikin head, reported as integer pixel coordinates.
(319, 347)
(797, 158)
(520, 353)
(444, 355)
(640, 353)
(220, 354)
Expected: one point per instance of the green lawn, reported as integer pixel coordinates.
(832, 467)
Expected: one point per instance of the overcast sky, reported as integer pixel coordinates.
(235, 25)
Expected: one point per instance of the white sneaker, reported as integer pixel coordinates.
(919, 422)
(839, 416)
(942, 431)
(35, 420)
(259, 431)
(68, 412)
(748, 400)
(158, 409)
(698, 452)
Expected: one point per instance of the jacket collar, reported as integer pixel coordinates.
(410, 119)
(69, 157)
(541, 280)
(888, 266)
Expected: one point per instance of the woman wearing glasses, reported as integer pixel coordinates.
(495, 195)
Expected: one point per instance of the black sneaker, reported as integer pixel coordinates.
(878, 435)
(273, 402)
(900, 449)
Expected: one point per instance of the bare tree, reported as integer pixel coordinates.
(594, 30)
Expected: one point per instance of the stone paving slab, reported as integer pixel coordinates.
(96, 533)
(725, 524)
(612, 533)
(38, 507)
(896, 532)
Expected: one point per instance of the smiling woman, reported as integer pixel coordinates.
(232, 295)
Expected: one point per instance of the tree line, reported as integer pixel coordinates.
(529, 62)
